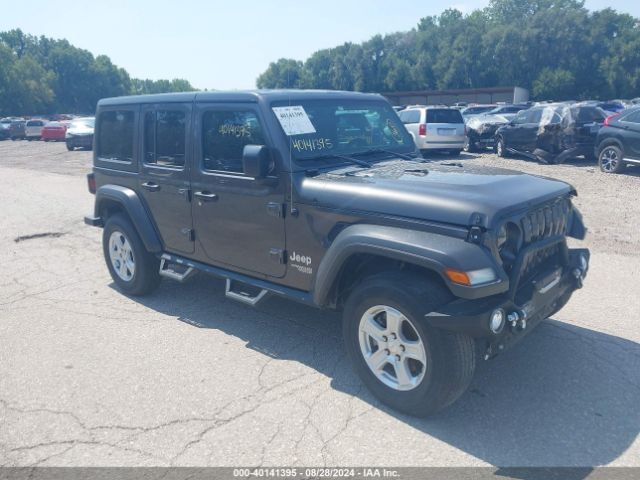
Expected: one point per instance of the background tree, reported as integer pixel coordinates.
(555, 48)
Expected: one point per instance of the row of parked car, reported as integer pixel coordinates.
(605, 132)
(76, 132)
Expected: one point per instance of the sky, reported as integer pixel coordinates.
(225, 45)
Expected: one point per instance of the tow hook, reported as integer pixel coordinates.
(577, 273)
(580, 272)
(517, 320)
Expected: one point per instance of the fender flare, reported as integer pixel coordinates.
(132, 205)
(610, 141)
(425, 249)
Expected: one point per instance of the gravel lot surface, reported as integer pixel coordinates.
(187, 377)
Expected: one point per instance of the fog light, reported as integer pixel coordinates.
(496, 322)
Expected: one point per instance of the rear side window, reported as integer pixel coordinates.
(164, 138)
(444, 116)
(410, 116)
(115, 140)
(633, 117)
(224, 136)
(589, 114)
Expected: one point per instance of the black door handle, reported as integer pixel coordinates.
(206, 196)
(151, 186)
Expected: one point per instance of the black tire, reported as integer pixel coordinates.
(450, 357)
(455, 153)
(610, 159)
(501, 150)
(70, 147)
(145, 278)
(470, 146)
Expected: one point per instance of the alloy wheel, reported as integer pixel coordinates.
(121, 256)
(392, 348)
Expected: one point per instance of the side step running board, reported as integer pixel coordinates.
(234, 291)
(175, 270)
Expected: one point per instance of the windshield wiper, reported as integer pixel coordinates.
(390, 152)
(355, 161)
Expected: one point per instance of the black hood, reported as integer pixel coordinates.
(440, 192)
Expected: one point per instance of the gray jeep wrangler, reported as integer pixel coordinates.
(321, 197)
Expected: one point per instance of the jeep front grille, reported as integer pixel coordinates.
(547, 221)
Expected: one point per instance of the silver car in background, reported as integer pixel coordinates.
(80, 133)
(435, 128)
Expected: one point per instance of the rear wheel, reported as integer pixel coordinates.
(455, 152)
(69, 147)
(133, 269)
(610, 159)
(405, 362)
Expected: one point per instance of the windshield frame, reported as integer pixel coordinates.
(321, 159)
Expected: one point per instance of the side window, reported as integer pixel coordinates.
(533, 116)
(224, 135)
(164, 138)
(520, 118)
(115, 138)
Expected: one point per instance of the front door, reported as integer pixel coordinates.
(164, 175)
(238, 221)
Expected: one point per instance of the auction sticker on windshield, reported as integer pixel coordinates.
(294, 120)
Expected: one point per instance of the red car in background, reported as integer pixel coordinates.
(54, 131)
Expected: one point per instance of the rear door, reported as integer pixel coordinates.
(238, 220)
(164, 172)
(445, 125)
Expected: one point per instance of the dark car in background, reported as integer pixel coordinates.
(481, 131)
(80, 133)
(17, 129)
(5, 124)
(552, 133)
(619, 141)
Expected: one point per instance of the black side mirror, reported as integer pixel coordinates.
(256, 160)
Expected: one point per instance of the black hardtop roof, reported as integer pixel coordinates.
(239, 96)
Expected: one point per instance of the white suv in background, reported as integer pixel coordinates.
(33, 129)
(435, 128)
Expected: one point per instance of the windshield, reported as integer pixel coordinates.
(342, 127)
(83, 123)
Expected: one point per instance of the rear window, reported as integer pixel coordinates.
(35, 123)
(444, 116)
(115, 140)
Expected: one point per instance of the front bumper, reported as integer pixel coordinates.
(538, 299)
(80, 140)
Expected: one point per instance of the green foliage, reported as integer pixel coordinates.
(555, 48)
(40, 75)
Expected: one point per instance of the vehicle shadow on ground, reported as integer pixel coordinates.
(565, 396)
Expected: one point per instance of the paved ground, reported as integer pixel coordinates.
(186, 377)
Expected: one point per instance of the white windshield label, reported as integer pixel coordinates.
(294, 120)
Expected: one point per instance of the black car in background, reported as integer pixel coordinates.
(552, 133)
(16, 129)
(5, 123)
(618, 142)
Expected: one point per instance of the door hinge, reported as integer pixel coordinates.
(278, 255)
(190, 233)
(275, 209)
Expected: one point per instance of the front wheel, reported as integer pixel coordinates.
(610, 159)
(404, 361)
(69, 147)
(133, 269)
(500, 148)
